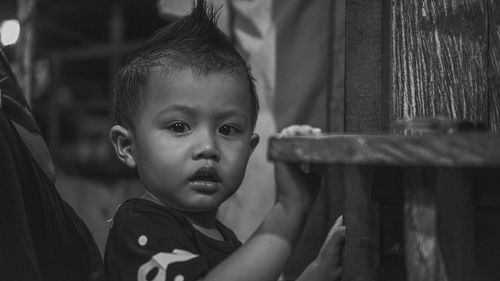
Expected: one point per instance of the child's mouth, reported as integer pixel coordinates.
(206, 175)
(206, 181)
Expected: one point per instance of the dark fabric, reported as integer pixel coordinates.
(12, 99)
(42, 239)
(148, 241)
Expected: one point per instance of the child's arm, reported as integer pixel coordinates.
(264, 255)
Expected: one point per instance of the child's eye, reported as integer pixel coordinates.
(179, 127)
(229, 130)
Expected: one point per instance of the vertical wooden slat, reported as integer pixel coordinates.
(363, 114)
(363, 78)
(362, 226)
(439, 219)
(336, 91)
(456, 223)
(494, 64)
(334, 175)
(423, 255)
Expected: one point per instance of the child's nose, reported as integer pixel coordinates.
(208, 149)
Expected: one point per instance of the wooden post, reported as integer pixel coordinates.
(362, 225)
(336, 91)
(364, 101)
(334, 175)
(25, 47)
(424, 260)
(456, 222)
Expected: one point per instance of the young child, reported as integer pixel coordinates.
(185, 110)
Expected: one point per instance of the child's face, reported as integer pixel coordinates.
(194, 137)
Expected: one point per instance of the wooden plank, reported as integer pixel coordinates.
(448, 150)
(494, 64)
(439, 59)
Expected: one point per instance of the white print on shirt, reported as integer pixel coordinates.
(162, 261)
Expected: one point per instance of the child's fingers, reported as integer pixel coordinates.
(339, 221)
(300, 130)
(337, 231)
(331, 250)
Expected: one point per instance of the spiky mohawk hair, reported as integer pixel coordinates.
(193, 41)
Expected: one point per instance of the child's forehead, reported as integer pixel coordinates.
(175, 70)
(190, 86)
(182, 78)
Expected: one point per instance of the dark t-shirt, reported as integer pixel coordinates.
(148, 241)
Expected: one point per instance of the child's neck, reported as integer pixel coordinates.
(204, 222)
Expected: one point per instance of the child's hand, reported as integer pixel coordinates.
(329, 259)
(328, 265)
(331, 250)
(292, 178)
(300, 130)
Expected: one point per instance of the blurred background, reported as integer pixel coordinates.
(75, 47)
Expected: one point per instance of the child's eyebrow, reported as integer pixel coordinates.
(178, 107)
(230, 112)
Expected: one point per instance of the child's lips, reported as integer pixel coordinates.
(205, 187)
(206, 175)
(206, 180)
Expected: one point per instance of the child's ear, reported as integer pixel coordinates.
(254, 140)
(123, 142)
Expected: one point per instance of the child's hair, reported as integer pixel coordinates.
(193, 41)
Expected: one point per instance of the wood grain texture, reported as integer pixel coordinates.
(424, 260)
(439, 59)
(494, 64)
(446, 150)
